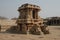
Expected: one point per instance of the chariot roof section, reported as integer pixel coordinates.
(26, 6)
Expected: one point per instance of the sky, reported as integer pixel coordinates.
(49, 8)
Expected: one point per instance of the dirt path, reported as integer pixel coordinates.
(54, 35)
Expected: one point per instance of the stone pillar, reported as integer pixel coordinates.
(30, 13)
(50, 22)
(18, 28)
(53, 22)
(36, 14)
(24, 29)
(27, 29)
(56, 22)
(27, 16)
(21, 14)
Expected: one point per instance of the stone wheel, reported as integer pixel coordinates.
(44, 29)
(34, 30)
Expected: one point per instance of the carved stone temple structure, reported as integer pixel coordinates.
(28, 17)
(28, 20)
(53, 21)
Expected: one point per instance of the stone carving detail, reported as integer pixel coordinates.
(35, 30)
(29, 20)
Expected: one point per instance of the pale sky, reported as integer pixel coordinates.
(49, 8)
